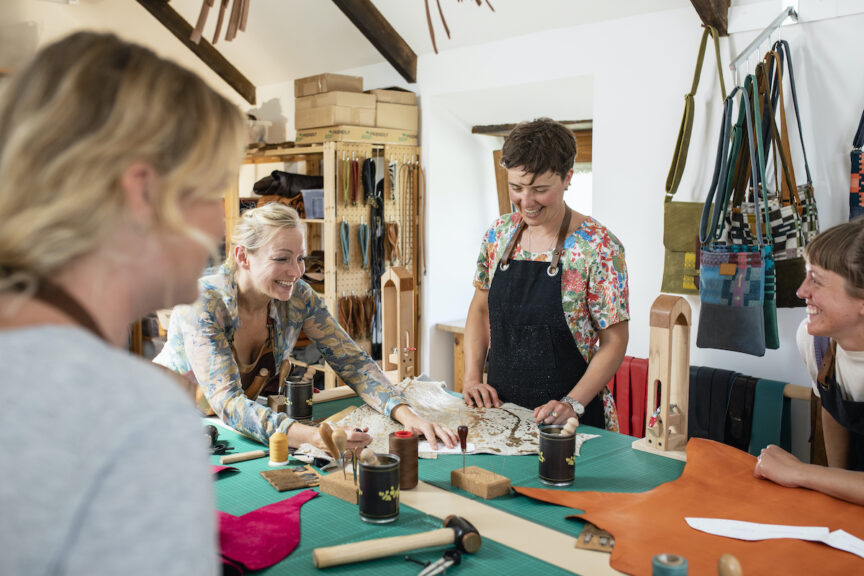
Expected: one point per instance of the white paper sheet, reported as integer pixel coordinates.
(755, 531)
(423, 446)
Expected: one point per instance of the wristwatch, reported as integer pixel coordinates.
(577, 406)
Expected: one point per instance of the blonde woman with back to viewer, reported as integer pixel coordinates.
(112, 167)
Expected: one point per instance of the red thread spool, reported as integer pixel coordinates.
(404, 444)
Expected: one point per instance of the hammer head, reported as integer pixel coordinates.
(465, 535)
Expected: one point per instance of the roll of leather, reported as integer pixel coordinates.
(404, 444)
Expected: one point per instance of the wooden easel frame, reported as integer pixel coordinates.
(397, 322)
(668, 376)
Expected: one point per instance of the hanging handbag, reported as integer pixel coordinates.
(784, 207)
(856, 187)
(808, 210)
(732, 277)
(681, 219)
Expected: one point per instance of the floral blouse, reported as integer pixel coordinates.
(594, 289)
(200, 337)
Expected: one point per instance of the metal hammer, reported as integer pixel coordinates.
(457, 530)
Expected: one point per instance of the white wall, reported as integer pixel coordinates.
(641, 68)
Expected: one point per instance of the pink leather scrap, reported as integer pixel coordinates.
(219, 469)
(265, 536)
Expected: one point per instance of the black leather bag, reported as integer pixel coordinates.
(286, 184)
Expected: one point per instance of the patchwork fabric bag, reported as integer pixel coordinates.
(681, 219)
(732, 276)
(856, 186)
(784, 207)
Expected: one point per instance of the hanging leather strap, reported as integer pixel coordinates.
(679, 158)
(782, 46)
(559, 244)
(58, 298)
(859, 134)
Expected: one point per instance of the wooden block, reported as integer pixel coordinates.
(277, 403)
(287, 479)
(341, 487)
(480, 482)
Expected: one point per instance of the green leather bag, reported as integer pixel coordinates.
(681, 219)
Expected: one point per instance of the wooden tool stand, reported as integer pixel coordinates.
(397, 321)
(402, 205)
(668, 379)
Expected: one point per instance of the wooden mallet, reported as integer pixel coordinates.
(457, 531)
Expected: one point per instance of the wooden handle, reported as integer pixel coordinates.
(257, 384)
(326, 433)
(371, 549)
(242, 457)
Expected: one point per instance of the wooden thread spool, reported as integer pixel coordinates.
(404, 444)
(368, 457)
(570, 426)
(278, 449)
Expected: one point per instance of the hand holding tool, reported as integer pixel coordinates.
(243, 456)
(457, 530)
(463, 442)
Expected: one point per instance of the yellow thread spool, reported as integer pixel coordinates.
(278, 449)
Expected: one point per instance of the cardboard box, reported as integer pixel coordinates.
(394, 96)
(397, 116)
(327, 83)
(355, 134)
(350, 99)
(333, 116)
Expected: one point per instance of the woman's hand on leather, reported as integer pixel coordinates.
(779, 466)
(431, 431)
(554, 412)
(480, 394)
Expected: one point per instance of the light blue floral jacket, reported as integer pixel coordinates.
(200, 337)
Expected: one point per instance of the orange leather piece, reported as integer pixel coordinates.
(717, 482)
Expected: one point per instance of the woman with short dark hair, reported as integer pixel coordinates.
(551, 284)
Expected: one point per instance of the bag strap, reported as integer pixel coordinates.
(859, 134)
(781, 141)
(719, 213)
(759, 182)
(782, 46)
(718, 187)
(682, 144)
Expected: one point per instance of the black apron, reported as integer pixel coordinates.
(847, 413)
(533, 357)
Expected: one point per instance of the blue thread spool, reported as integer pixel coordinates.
(668, 565)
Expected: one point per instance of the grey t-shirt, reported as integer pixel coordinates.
(103, 466)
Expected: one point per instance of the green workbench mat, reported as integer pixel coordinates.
(328, 521)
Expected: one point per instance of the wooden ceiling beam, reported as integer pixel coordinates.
(204, 50)
(503, 130)
(366, 17)
(713, 13)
